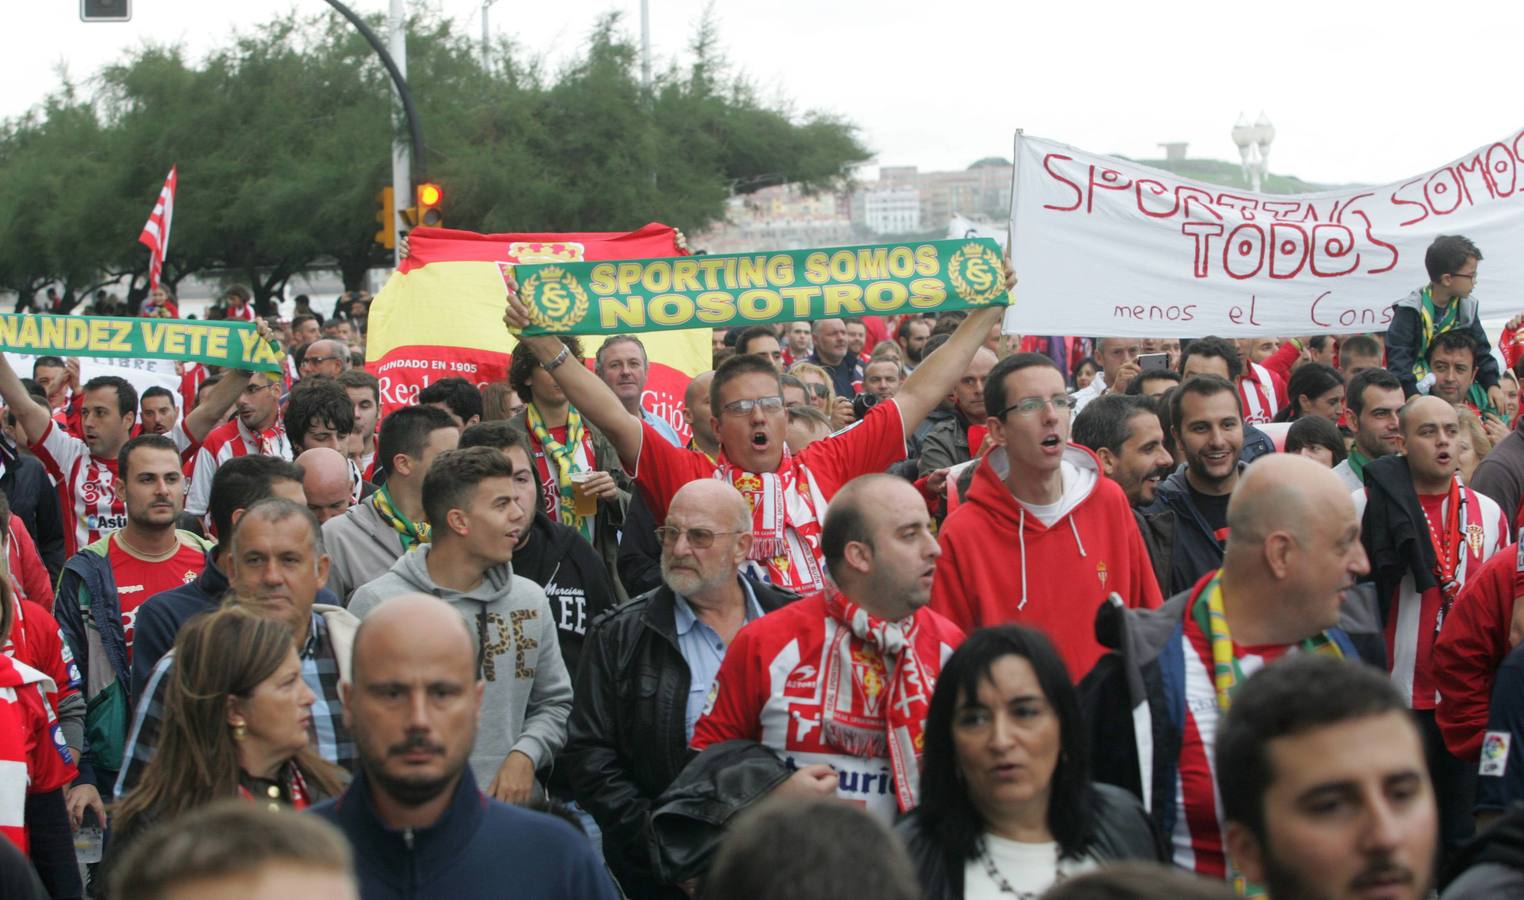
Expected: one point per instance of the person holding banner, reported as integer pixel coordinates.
(1444, 304)
(787, 493)
(83, 470)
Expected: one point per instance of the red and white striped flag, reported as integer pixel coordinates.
(155, 234)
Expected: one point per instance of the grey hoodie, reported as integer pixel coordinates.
(361, 547)
(529, 693)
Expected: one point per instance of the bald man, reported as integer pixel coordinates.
(1419, 572)
(327, 482)
(1292, 557)
(413, 705)
(672, 638)
(696, 412)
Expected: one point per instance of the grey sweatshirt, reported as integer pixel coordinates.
(361, 547)
(529, 693)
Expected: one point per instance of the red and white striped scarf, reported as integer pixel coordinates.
(860, 716)
(1260, 400)
(786, 511)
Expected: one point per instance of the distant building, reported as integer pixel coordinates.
(892, 210)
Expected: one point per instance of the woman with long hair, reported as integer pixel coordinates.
(1314, 389)
(235, 725)
(1007, 804)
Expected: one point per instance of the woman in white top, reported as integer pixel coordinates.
(1007, 805)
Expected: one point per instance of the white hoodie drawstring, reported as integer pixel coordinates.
(1075, 528)
(1021, 539)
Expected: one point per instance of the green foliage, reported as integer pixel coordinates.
(283, 139)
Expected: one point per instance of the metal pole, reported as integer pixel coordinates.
(486, 36)
(402, 189)
(402, 185)
(645, 44)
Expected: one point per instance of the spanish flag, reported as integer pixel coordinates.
(441, 312)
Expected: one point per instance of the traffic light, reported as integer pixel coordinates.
(429, 198)
(105, 10)
(386, 216)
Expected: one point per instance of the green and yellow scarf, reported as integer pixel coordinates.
(412, 533)
(563, 459)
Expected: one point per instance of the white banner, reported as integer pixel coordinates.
(1107, 247)
(142, 374)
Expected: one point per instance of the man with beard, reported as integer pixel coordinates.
(414, 814)
(1375, 396)
(1125, 434)
(912, 336)
(100, 592)
(622, 364)
(627, 742)
(1323, 786)
(1208, 428)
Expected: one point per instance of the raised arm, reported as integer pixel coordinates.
(216, 402)
(934, 378)
(586, 391)
(32, 416)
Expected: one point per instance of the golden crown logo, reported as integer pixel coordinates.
(976, 273)
(555, 299)
(533, 252)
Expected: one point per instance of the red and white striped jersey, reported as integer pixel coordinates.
(26, 722)
(1410, 625)
(1198, 839)
(770, 689)
(1262, 392)
(226, 441)
(86, 484)
(241, 315)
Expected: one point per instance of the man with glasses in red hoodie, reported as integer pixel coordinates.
(1036, 497)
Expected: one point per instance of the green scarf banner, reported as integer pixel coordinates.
(236, 345)
(730, 289)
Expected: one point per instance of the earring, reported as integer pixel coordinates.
(240, 731)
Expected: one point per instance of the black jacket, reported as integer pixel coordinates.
(1121, 830)
(627, 738)
(1196, 549)
(1134, 698)
(1158, 531)
(639, 549)
(34, 499)
(557, 558)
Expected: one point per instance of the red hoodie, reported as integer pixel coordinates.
(1470, 647)
(1091, 551)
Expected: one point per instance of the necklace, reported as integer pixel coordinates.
(1003, 885)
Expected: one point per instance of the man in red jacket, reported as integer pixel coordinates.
(839, 683)
(1036, 497)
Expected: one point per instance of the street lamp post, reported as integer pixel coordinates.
(1254, 148)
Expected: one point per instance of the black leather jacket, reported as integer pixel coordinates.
(627, 740)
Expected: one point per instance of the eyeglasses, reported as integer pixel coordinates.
(819, 390)
(1031, 406)
(698, 538)
(744, 407)
(316, 360)
(1470, 275)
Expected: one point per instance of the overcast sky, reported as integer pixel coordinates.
(1367, 92)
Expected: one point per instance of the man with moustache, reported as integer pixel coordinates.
(622, 364)
(1426, 534)
(649, 671)
(1125, 434)
(1375, 396)
(1323, 785)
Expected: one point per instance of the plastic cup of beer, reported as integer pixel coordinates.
(583, 503)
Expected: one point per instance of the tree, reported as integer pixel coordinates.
(282, 137)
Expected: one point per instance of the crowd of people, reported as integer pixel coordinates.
(900, 607)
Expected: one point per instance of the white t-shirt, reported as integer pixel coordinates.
(1030, 869)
